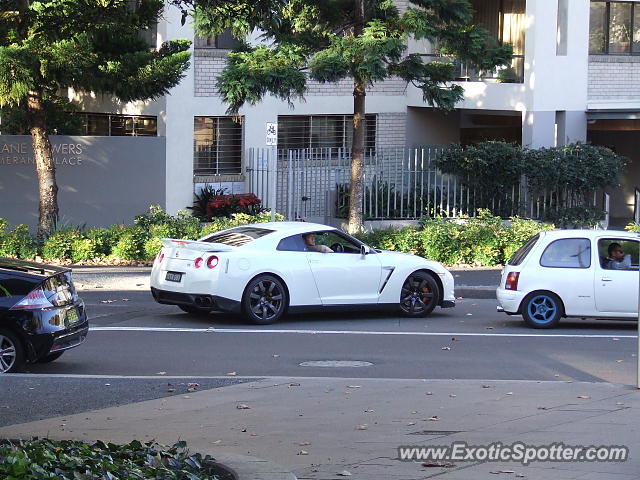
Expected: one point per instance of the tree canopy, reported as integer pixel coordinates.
(332, 40)
(50, 46)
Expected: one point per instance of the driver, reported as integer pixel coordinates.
(310, 242)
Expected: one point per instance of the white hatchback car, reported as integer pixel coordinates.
(266, 269)
(572, 273)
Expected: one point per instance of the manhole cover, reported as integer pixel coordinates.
(336, 363)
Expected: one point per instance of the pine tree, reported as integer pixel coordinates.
(50, 46)
(332, 40)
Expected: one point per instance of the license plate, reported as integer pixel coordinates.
(173, 277)
(72, 316)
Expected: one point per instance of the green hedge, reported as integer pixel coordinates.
(484, 240)
(138, 242)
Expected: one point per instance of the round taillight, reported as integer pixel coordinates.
(198, 262)
(212, 261)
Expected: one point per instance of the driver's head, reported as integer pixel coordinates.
(309, 239)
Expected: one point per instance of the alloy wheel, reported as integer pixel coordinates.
(8, 354)
(418, 295)
(266, 300)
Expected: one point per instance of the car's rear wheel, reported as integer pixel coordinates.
(542, 310)
(265, 300)
(12, 357)
(194, 310)
(419, 295)
(50, 358)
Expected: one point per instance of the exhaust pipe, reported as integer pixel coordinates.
(203, 301)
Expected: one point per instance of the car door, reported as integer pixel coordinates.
(616, 291)
(344, 277)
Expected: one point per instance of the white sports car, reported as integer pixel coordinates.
(264, 270)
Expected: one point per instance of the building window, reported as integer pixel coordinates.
(223, 41)
(322, 131)
(217, 146)
(614, 28)
(106, 124)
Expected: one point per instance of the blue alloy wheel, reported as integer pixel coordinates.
(542, 310)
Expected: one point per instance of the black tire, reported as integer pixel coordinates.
(12, 356)
(50, 358)
(264, 300)
(419, 295)
(194, 310)
(542, 310)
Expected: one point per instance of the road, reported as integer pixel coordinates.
(138, 349)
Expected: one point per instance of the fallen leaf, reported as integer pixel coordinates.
(429, 393)
(410, 424)
(619, 361)
(509, 393)
(488, 328)
(584, 396)
(414, 412)
(186, 396)
(216, 442)
(434, 418)
(125, 299)
(520, 475)
(275, 355)
(486, 386)
(171, 390)
(616, 339)
(304, 444)
(445, 348)
(542, 408)
(161, 373)
(242, 406)
(107, 384)
(368, 410)
(556, 375)
(253, 434)
(507, 471)
(619, 403)
(232, 374)
(344, 473)
(469, 314)
(294, 384)
(353, 386)
(452, 395)
(362, 427)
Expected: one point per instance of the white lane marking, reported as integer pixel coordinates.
(349, 332)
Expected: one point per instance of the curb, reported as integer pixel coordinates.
(252, 468)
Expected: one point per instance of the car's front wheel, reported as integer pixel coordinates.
(542, 310)
(12, 357)
(419, 295)
(264, 300)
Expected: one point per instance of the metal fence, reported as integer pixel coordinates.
(399, 183)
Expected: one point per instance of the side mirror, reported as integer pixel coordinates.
(364, 250)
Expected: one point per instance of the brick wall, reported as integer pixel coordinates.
(207, 66)
(614, 78)
(391, 129)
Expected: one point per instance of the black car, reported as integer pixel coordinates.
(41, 315)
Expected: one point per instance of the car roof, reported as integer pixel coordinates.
(291, 228)
(584, 233)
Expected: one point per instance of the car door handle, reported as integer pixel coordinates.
(605, 279)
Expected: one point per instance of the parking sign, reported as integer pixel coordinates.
(272, 134)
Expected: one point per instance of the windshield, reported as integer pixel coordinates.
(236, 237)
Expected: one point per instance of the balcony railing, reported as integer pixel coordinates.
(465, 72)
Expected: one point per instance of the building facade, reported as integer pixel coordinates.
(574, 77)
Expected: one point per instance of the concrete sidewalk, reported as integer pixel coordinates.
(350, 428)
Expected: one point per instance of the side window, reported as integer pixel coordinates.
(294, 243)
(567, 253)
(523, 251)
(618, 254)
(337, 242)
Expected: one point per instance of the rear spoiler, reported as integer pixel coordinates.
(196, 245)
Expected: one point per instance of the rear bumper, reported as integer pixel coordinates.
(198, 300)
(509, 300)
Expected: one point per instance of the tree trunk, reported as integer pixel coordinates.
(47, 187)
(357, 160)
(357, 145)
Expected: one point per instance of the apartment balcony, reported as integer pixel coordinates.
(465, 72)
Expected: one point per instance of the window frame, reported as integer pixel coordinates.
(607, 35)
(216, 166)
(124, 119)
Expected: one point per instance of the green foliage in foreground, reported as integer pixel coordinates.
(484, 240)
(72, 460)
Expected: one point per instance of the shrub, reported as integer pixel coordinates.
(104, 239)
(633, 227)
(480, 239)
(66, 459)
(131, 244)
(237, 219)
(60, 243)
(18, 243)
(83, 249)
(201, 200)
(227, 205)
(440, 240)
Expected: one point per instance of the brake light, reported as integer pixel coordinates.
(198, 262)
(34, 300)
(160, 256)
(511, 283)
(212, 261)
